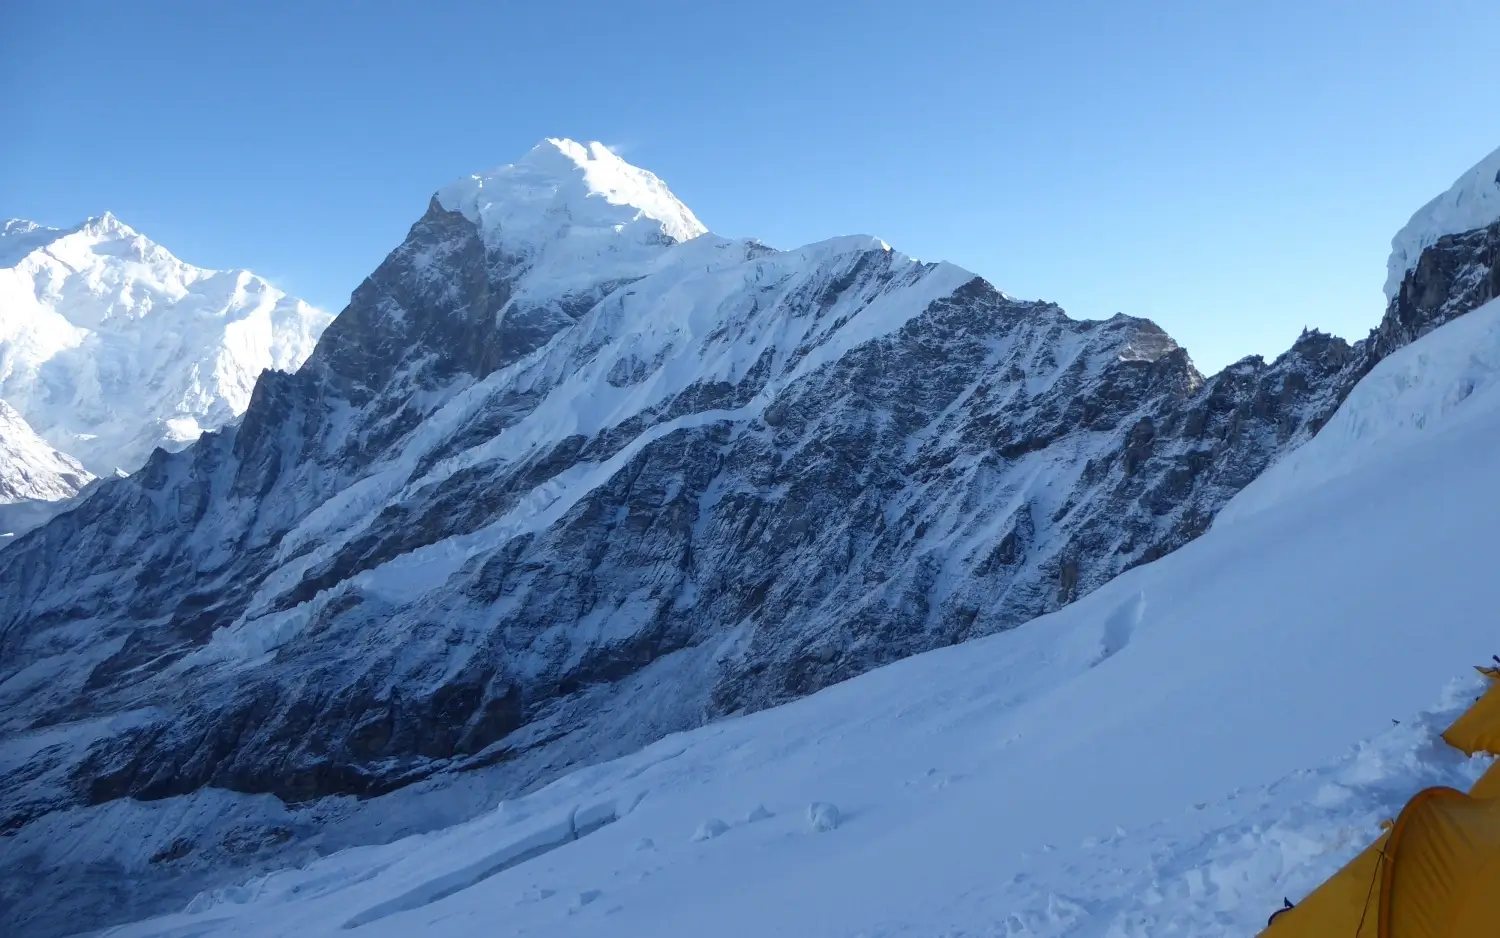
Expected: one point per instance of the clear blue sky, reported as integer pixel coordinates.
(1232, 170)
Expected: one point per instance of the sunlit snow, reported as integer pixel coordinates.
(110, 346)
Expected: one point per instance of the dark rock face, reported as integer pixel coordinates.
(1458, 273)
(457, 535)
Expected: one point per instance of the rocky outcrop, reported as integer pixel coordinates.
(498, 523)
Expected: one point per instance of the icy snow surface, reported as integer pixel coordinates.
(1472, 202)
(1172, 754)
(110, 346)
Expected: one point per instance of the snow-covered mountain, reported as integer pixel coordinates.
(33, 475)
(570, 474)
(111, 347)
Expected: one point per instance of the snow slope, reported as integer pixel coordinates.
(31, 470)
(35, 479)
(1472, 202)
(110, 346)
(1170, 755)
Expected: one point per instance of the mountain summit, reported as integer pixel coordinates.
(561, 185)
(110, 346)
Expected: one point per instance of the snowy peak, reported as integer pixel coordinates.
(111, 346)
(15, 232)
(1472, 202)
(107, 225)
(562, 185)
(19, 237)
(103, 245)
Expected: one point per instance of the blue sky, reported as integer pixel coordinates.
(1232, 170)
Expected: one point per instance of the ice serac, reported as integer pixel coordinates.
(567, 475)
(1470, 204)
(110, 346)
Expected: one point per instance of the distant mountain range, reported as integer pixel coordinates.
(110, 346)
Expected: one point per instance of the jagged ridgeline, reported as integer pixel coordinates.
(570, 473)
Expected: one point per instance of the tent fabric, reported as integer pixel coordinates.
(1442, 873)
(1478, 730)
(1488, 785)
(1434, 874)
(1345, 905)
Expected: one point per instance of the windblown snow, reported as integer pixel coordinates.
(1172, 754)
(1472, 202)
(110, 346)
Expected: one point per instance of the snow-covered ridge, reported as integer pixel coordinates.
(1472, 202)
(552, 498)
(110, 346)
(1451, 376)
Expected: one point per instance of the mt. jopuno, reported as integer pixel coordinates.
(111, 347)
(569, 474)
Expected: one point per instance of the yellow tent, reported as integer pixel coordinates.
(1478, 730)
(1435, 874)
(1488, 785)
(1442, 876)
(1344, 901)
